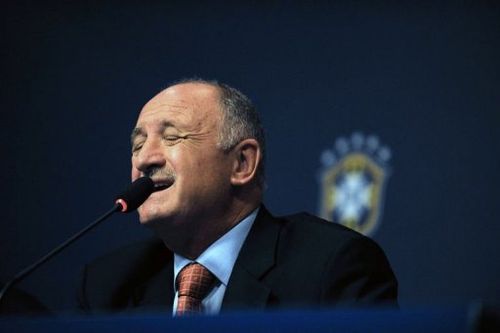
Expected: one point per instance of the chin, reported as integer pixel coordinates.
(150, 217)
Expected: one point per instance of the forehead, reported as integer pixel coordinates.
(183, 103)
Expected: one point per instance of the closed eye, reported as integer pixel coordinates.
(173, 139)
(136, 147)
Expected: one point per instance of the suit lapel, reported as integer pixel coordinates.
(257, 257)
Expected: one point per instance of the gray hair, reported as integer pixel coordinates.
(240, 120)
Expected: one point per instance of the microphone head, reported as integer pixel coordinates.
(136, 193)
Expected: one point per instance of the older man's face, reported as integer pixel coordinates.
(175, 142)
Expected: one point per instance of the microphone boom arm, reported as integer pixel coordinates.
(62, 246)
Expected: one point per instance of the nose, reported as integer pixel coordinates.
(149, 157)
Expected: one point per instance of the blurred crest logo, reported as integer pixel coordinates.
(352, 180)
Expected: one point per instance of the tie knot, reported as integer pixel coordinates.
(195, 280)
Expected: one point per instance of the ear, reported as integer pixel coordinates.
(247, 157)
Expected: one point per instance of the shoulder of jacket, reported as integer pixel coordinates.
(308, 222)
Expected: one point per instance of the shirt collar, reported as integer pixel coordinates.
(220, 257)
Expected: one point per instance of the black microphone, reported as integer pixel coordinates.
(135, 194)
(129, 200)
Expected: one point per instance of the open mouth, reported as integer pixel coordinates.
(162, 185)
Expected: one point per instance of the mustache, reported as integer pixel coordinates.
(163, 173)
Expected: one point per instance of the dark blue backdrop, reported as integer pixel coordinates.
(424, 77)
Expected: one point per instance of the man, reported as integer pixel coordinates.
(202, 143)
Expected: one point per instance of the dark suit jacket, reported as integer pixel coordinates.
(293, 261)
(17, 302)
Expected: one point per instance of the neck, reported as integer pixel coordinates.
(191, 238)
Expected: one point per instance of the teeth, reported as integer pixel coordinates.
(163, 184)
